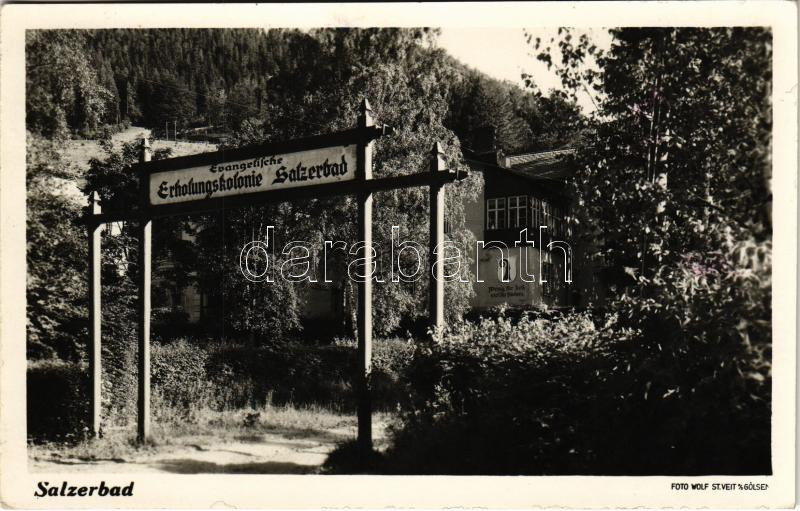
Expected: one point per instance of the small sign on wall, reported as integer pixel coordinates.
(508, 292)
(507, 287)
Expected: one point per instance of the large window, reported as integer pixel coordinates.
(518, 211)
(536, 213)
(496, 213)
(558, 222)
(544, 213)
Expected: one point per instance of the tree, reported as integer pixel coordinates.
(331, 72)
(672, 191)
(242, 103)
(63, 93)
(478, 101)
(215, 107)
(555, 120)
(680, 141)
(56, 256)
(171, 101)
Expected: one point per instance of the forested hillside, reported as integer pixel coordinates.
(254, 86)
(219, 78)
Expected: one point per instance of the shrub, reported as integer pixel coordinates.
(706, 326)
(120, 350)
(179, 379)
(576, 394)
(188, 375)
(292, 372)
(282, 372)
(57, 400)
(489, 397)
(390, 360)
(191, 375)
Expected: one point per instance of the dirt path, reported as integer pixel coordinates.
(288, 452)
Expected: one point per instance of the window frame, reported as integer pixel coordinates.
(536, 211)
(519, 209)
(497, 213)
(558, 221)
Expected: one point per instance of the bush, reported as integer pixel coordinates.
(576, 394)
(58, 400)
(390, 361)
(191, 375)
(179, 379)
(293, 372)
(120, 351)
(707, 325)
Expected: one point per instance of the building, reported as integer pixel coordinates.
(523, 197)
(521, 194)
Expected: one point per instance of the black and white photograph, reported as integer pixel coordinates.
(428, 250)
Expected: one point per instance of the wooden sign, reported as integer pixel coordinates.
(257, 174)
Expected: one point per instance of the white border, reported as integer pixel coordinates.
(288, 491)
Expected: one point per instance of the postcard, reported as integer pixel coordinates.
(495, 255)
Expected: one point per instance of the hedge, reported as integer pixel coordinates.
(188, 376)
(577, 394)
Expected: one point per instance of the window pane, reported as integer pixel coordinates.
(496, 213)
(523, 211)
(546, 220)
(535, 212)
(517, 213)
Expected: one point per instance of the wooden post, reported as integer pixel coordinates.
(364, 306)
(95, 314)
(436, 288)
(145, 253)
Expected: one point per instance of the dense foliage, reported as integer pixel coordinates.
(221, 78)
(63, 92)
(672, 197)
(578, 394)
(674, 190)
(678, 156)
(193, 376)
(56, 257)
(57, 400)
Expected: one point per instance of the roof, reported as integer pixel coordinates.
(551, 165)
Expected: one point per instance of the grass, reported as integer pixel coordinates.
(80, 151)
(173, 431)
(269, 418)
